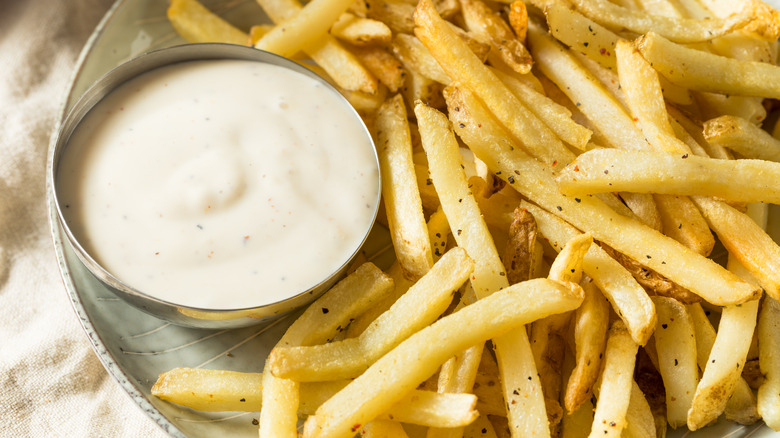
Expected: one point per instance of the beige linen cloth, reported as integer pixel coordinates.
(51, 382)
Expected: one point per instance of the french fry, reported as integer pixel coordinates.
(257, 31)
(639, 418)
(480, 428)
(518, 19)
(767, 21)
(521, 249)
(401, 285)
(348, 298)
(713, 105)
(693, 69)
(676, 346)
(743, 137)
(304, 28)
(527, 414)
(746, 241)
(382, 64)
(400, 192)
(220, 391)
(682, 30)
(197, 24)
(337, 61)
(420, 355)
(395, 14)
(643, 208)
(590, 97)
(457, 60)
(583, 34)
(415, 56)
(606, 170)
(741, 406)
(591, 321)
(489, 28)
(724, 365)
(617, 380)
(664, 255)
(360, 31)
(630, 301)
(691, 132)
(554, 115)
(383, 429)
(422, 304)
(769, 360)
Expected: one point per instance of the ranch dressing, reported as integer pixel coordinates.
(220, 184)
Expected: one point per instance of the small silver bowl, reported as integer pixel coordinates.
(177, 313)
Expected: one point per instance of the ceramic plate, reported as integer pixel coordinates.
(135, 347)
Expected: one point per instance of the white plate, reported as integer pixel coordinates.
(135, 347)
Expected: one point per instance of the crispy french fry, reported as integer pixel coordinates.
(741, 407)
(219, 391)
(382, 64)
(420, 355)
(639, 418)
(630, 301)
(617, 380)
(422, 304)
(769, 359)
(693, 69)
(746, 241)
(457, 60)
(197, 24)
(683, 30)
(304, 28)
(348, 298)
(606, 170)
(581, 33)
(337, 61)
(724, 365)
(400, 192)
(361, 31)
(582, 88)
(591, 321)
(741, 136)
(521, 249)
(395, 14)
(489, 28)
(676, 346)
(527, 414)
(415, 56)
(674, 261)
(518, 19)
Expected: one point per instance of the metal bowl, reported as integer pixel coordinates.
(172, 312)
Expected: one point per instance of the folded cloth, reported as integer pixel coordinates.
(52, 383)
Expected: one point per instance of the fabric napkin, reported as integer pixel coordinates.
(51, 382)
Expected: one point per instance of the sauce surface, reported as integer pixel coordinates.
(220, 184)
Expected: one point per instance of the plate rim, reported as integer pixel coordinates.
(95, 340)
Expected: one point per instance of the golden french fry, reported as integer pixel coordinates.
(395, 14)
(769, 360)
(581, 33)
(382, 64)
(643, 207)
(337, 61)
(591, 321)
(348, 298)
(361, 31)
(692, 68)
(419, 356)
(415, 56)
(605, 170)
(555, 116)
(521, 249)
(489, 28)
(741, 406)
(518, 19)
(461, 64)
(527, 414)
(676, 346)
(683, 222)
(617, 380)
(383, 429)
(656, 251)
(746, 241)
(304, 28)
(400, 192)
(422, 304)
(582, 88)
(724, 365)
(220, 391)
(741, 136)
(683, 30)
(197, 24)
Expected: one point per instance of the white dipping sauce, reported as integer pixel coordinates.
(220, 184)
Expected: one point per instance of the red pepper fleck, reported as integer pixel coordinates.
(576, 168)
(355, 427)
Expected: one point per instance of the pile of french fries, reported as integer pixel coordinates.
(556, 176)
